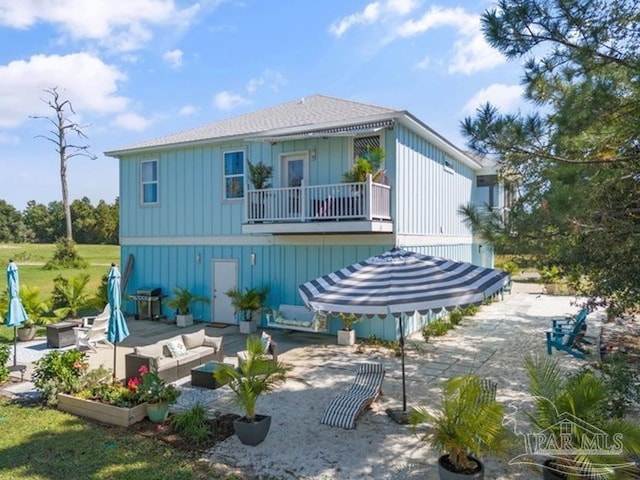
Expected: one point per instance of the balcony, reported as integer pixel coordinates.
(340, 207)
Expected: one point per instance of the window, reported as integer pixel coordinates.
(448, 165)
(361, 145)
(149, 182)
(233, 174)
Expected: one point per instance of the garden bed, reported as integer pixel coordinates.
(102, 412)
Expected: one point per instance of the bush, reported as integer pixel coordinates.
(66, 256)
(437, 328)
(455, 317)
(58, 372)
(5, 352)
(192, 424)
(469, 310)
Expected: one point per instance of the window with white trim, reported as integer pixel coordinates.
(149, 182)
(233, 165)
(448, 165)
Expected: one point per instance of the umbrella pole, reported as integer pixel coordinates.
(15, 347)
(115, 346)
(401, 416)
(404, 388)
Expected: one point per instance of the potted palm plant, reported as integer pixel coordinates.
(254, 376)
(181, 302)
(35, 308)
(468, 424)
(570, 412)
(347, 335)
(260, 177)
(247, 303)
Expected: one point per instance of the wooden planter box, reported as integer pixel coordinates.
(102, 412)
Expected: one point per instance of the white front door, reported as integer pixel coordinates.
(225, 277)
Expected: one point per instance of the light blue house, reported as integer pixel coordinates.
(190, 217)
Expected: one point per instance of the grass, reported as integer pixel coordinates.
(44, 444)
(31, 257)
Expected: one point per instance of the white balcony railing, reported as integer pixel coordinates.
(335, 202)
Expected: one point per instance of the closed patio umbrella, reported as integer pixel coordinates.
(399, 282)
(117, 330)
(16, 315)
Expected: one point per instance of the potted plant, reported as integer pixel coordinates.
(181, 302)
(256, 375)
(260, 177)
(156, 392)
(576, 430)
(35, 308)
(248, 303)
(347, 335)
(467, 425)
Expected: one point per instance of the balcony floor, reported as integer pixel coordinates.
(344, 226)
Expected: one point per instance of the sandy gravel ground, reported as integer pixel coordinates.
(491, 344)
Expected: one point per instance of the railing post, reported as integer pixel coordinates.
(303, 200)
(247, 199)
(369, 194)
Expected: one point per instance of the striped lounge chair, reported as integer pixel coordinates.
(344, 409)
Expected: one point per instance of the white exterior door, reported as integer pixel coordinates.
(225, 277)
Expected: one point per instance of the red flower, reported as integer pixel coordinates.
(133, 383)
(143, 370)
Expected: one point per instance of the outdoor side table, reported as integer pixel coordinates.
(61, 334)
(202, 376)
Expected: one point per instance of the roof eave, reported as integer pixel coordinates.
(413, 123)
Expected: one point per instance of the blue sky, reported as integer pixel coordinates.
(137, 69)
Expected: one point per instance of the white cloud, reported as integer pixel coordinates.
(372, 13)
(471, 53)
(131, 121)
(226, 100)
(269, 78)
(505, 97)
(187, 110)
(85, 80)
(124, 28)
(173, 58)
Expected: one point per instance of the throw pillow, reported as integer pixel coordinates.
(265, 338)
(177, 348)
(193, 340)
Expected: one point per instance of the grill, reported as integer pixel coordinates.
(148, 303)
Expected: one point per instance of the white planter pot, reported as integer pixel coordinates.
(184, 320)
(346, 337)
(247, 327)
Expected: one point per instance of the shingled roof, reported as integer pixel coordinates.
(303, 115)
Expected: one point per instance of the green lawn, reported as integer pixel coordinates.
(44, 444)
(31, 257)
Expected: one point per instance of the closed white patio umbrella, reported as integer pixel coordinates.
(399, 282)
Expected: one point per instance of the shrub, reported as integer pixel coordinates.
(192, 424)
(58, 372)
(437, 328)
(455, 317)
(511, 267)
(621, 383)
(70, 296)
(5, 352)
(66, 256)
(469, 310)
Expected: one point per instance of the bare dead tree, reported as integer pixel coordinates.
(62, 126)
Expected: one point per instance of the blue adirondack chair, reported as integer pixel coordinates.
(566, 325)
(568, 339)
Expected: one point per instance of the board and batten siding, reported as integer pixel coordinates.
(429, 194)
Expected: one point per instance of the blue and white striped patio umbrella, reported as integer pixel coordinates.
(117, 330)
(400, 282)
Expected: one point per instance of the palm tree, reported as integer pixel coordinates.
(256, 375)
(71, 295)
(582, 396)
